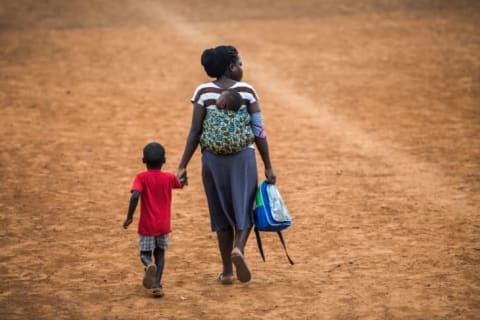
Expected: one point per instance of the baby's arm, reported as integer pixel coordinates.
(131, 208)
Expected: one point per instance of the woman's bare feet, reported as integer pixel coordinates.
(243, 272)
(225, 279)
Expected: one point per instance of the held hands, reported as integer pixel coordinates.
(270, 176)
(127, 222)
(182, 176)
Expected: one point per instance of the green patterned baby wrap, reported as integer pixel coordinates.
(226, 131)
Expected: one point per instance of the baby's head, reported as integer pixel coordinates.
(229, 100)
(154, 155)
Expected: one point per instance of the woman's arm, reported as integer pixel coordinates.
(262, 144)
(193, 139)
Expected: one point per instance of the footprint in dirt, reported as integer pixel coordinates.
(32, 276)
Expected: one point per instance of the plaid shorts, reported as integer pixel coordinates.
(149, 243)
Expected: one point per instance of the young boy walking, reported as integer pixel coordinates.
(154, 188)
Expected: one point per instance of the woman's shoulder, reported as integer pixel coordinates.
(212, 86)
(244, 86)
(245, 89)
(206, 86)
(205, 91)
(240, 84)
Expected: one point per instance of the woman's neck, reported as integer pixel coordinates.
(224, 82)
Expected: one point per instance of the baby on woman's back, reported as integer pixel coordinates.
(229, 100)
(228, 129)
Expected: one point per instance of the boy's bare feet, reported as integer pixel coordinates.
(243, 272)
(149, 276)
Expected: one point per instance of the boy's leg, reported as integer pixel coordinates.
(146, 257)
(225, 244)
(159, 254)
(150, 269)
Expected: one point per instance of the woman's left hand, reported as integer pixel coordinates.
(270, 175)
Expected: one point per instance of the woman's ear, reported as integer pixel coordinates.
(143, 160)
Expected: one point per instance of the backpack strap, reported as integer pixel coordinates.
(260, 247)
(285, 247)
(259, 243)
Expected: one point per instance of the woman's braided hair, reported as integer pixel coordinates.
(215, 61)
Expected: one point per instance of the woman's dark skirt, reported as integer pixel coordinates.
(230, 184)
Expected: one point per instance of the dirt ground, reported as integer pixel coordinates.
(372, 110)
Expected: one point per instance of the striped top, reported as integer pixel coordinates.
(207, 94)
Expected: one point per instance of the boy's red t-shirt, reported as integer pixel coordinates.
(155, 189)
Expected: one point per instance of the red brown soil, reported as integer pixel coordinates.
(373, 118)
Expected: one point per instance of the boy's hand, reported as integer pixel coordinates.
(182, 176)
(127, 222)
(184, 180)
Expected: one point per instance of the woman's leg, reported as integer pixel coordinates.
(241, 237)
(225, 244)
(160, 262)
(241, 266)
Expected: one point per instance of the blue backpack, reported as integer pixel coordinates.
(270, 215)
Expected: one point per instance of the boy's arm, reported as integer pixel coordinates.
(131, 208)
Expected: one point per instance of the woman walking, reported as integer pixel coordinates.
(230, 181)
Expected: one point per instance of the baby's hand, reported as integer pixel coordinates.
(127, 222)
